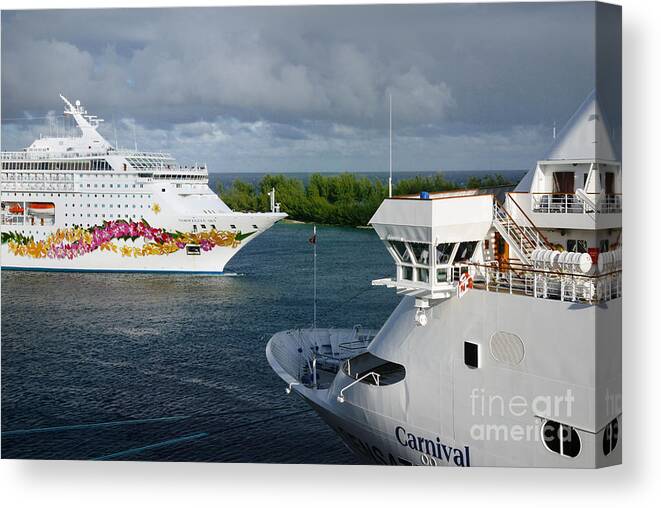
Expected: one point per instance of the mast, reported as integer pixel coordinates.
(314, 311)
(390, 154)
(86, 123)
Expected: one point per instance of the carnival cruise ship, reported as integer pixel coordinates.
(505, 349)
(78, 203)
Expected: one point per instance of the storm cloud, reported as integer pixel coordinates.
(474, 86)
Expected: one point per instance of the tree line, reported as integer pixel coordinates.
(346, 199)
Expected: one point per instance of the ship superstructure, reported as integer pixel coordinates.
(505, 349)
(78, 203)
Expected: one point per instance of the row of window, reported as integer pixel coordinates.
(151, 162)
(22, 187)
(582, 246)
(83, 196)
(564, 181)
(110, 205)
(103, 216)
(165, 176)
(87, 165)
(414, 260)
(115, 186)
(36, 177)
(72, 195)
(446, 253)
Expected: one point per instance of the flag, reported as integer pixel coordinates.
(313, 238)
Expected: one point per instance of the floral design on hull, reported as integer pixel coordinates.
(76, 241)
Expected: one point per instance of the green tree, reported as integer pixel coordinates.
(344, 199)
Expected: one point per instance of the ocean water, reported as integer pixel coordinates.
(183, 354)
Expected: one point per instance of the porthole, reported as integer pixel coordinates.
(611, 434)
(561, 439)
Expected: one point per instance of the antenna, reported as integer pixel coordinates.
(114, 128)
(135, 140)
(553, 129)
(390, 150)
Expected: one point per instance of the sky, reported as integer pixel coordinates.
(252, 89)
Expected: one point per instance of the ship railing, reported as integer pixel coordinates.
(524, 239)
(514, 278)
(313, 356)
(195, 168)
(48, 155)
(556, 202)
(610, 203)
(375, 376)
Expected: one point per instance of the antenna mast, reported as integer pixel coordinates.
(135, 140)
(314, 316)
(390, 154)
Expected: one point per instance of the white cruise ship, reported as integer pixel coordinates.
(505, 349)
(78, 203)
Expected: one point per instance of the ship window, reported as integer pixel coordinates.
(577, 246)
(204, 226)
(611, 433)
(471, 355)
(407, 273)
(401, 250)
(193, 250)
(421, 252)
(465, 251)
(561, 439)
(563, 182)
(443, 253)
(195, 227)
(423, 275)
(603, 245)
(386, 373)
(233, 226)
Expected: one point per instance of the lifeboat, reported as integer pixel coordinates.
(41, 208)
(16, 209)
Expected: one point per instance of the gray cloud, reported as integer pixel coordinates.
(306, 87)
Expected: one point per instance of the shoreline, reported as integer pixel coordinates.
(300, 222)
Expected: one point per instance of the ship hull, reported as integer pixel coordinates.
(107, 248)
(179, 262)
(444, 413)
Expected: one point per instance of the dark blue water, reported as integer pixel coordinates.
(90, 348)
